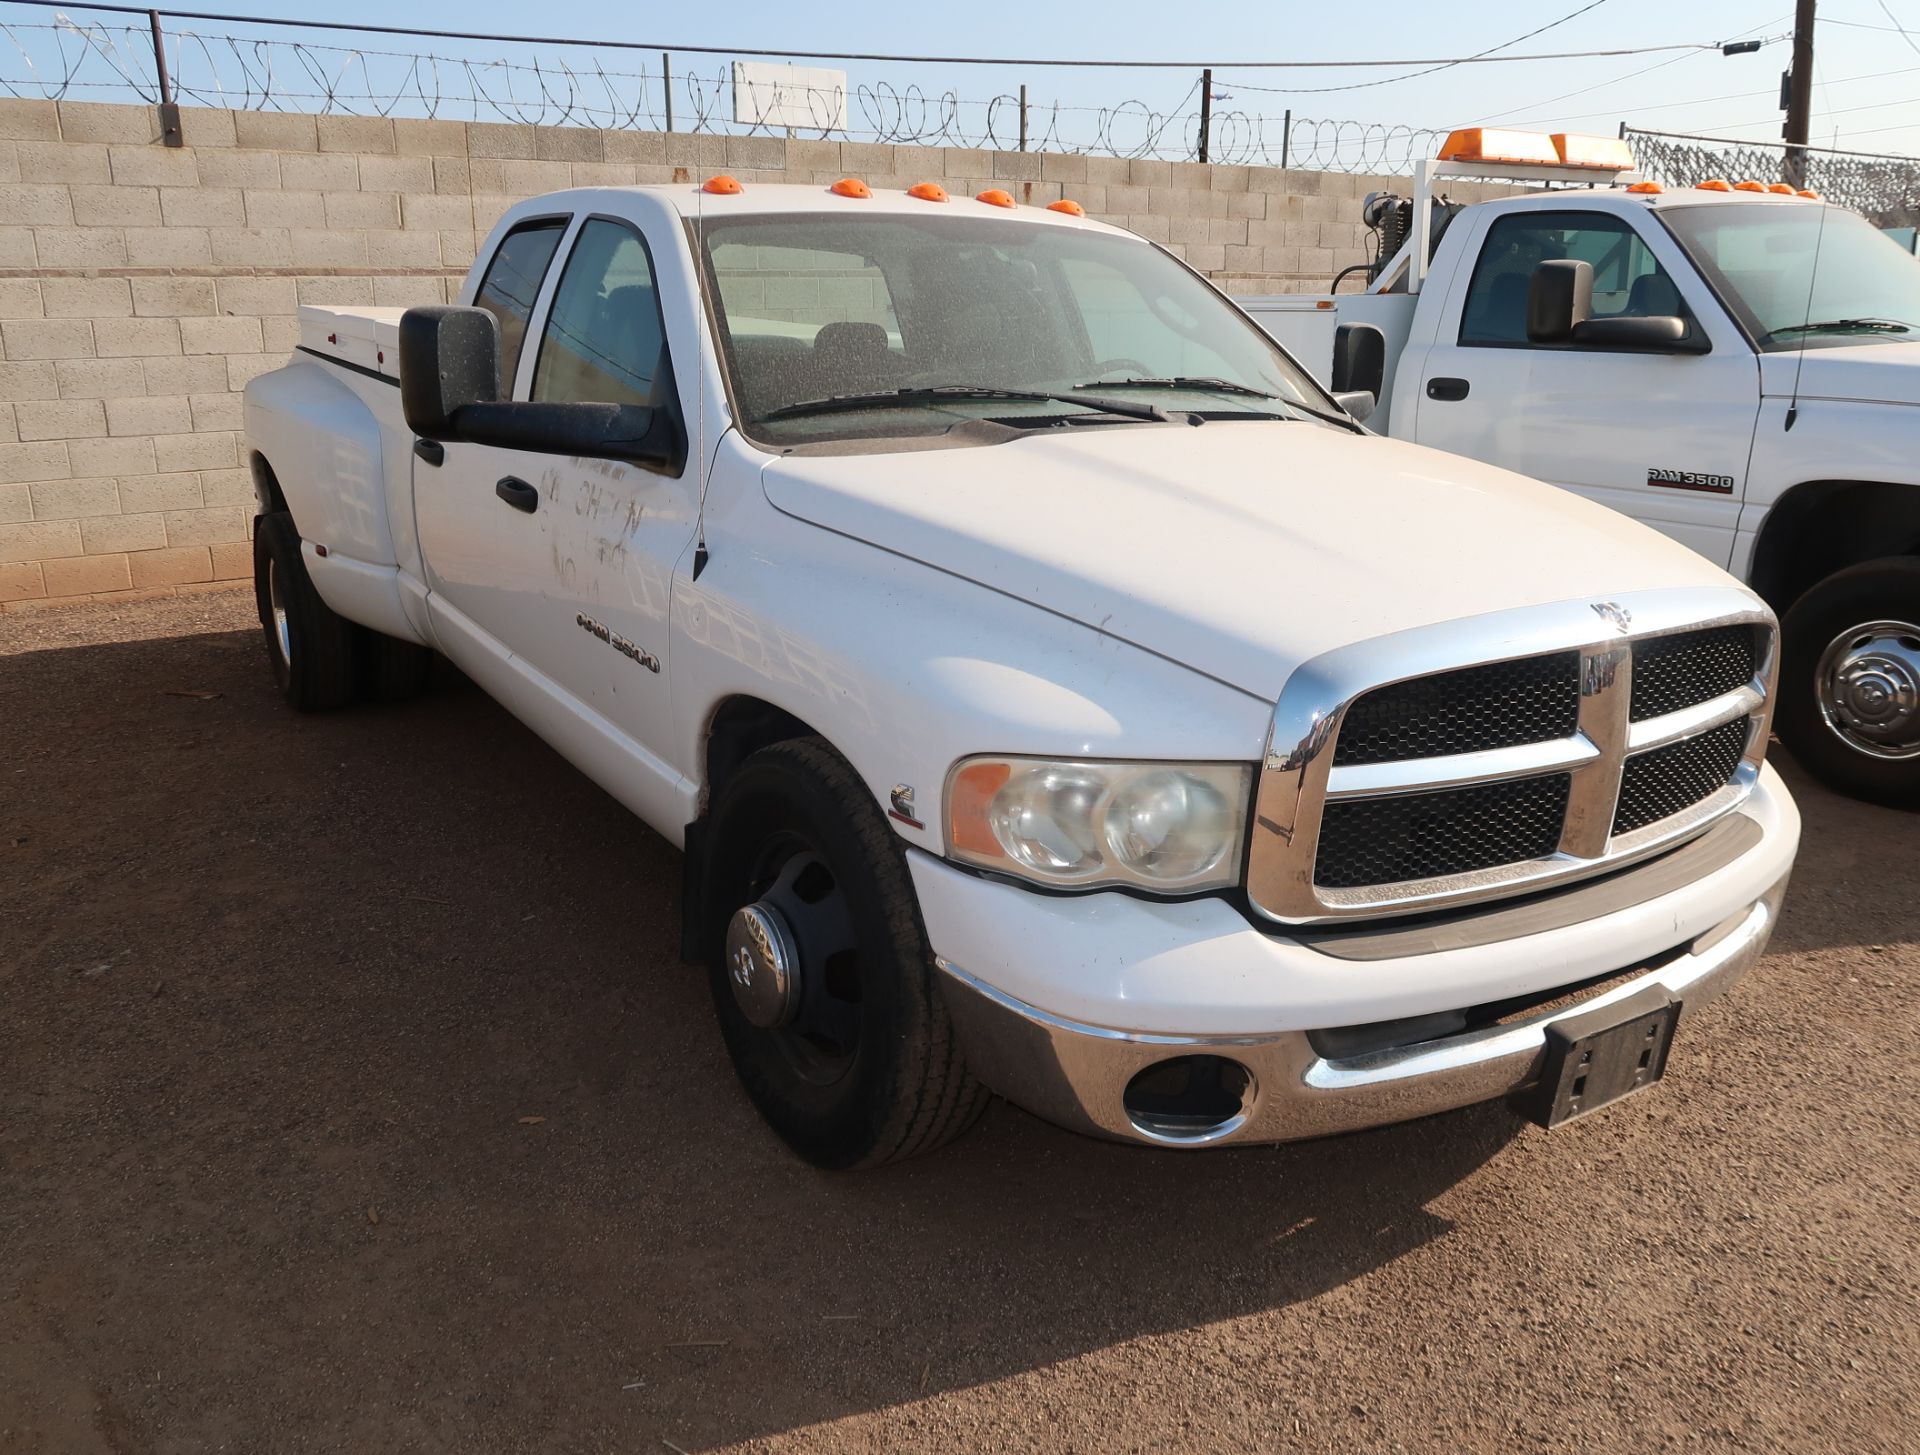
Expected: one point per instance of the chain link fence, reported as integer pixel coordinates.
(614, 86)
(1883, 189)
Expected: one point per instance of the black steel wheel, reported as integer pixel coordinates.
(820, 969)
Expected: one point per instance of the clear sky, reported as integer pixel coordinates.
(1866, 68)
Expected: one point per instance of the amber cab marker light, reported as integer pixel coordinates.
(722, 186)
(1808, 193)
(1782, 188)
(850, 187)
(1714, 184)
(1749, 186)
(1068, 206)
(928, 191)
(996, 197)
(1650, 189)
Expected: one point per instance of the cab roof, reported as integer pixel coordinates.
(1556, 197)
(691, 199)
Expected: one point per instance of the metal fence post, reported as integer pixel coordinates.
(666, 85)
(1206, 111)
(1286, 137)
(1023, 116)
(170, 133)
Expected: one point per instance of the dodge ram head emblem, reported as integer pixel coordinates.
(1615, 615)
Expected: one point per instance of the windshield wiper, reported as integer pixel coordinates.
(1206, 384)
(1202, 383)
(939, 393)
(1846, 325)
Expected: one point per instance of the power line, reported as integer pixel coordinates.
(1630, 75)
(1443, 65)
(1440, 62)
(1899, 27)
(1743, 95)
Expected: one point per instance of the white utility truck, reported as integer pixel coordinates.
(1737, 365)
(1052, 689)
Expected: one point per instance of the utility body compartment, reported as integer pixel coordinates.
(367, 338)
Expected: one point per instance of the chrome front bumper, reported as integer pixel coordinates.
(1076, 1074)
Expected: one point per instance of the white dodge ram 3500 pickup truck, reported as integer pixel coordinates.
(1052, 690)
(1736, 366)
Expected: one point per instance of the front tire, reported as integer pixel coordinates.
(821, 973)
(1850, 681)
(310, 648)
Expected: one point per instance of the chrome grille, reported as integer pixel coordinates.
(1665, 781)
(1566, 749)
(1684, 669)
(1495, 706)
(1367, 841)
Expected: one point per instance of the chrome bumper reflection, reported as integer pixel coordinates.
(1076, 1074)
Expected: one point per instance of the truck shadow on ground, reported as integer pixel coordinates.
(352, 1054)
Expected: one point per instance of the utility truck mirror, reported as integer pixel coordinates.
(1656, 335)
(449, 359)
(1559, 296)
(1359, 360)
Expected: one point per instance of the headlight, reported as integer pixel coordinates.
(1176, 827)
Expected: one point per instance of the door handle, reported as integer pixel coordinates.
(1448, 389)
(519, 494)
(432, 451)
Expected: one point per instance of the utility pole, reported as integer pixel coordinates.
(1799, 90)
(1206, 114)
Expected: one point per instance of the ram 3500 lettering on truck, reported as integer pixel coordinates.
(1737, 365)
(1052, 690)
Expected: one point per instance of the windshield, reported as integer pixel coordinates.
(930, 322)
(1761, 261)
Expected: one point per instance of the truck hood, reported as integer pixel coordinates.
(1239, 548)
(1877, 373)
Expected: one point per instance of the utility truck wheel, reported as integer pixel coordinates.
(1850, 681)
(310, 648)
(820, 968)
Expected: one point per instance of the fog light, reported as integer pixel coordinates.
(1190, 1100)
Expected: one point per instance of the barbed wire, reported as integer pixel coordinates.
(1884, 189)
(70, 59)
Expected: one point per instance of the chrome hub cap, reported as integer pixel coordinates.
(279, 609)
(762, 966)
(1868, 683)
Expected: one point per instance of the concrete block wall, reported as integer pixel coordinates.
(142, 286)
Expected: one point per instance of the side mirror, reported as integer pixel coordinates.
(450, 392)
(1560, 309)
(449, 359)
(1359, 360)
(1661, 335)
(637, 433)
(1559, 298)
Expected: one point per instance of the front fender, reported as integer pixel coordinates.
(905, 668)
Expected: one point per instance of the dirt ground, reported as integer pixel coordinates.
(352, 1097)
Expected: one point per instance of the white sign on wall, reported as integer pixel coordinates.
(812, 97)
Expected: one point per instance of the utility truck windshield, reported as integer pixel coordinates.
(1818, 276)
(840, 327)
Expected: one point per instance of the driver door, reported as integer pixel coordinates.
(1661, 437)
(563, 565)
